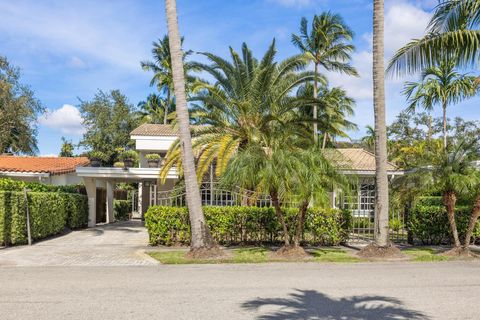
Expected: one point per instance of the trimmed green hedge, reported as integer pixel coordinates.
(7, 184)
(234, 225)
(122, 209)
(428, 221)
(50, 213)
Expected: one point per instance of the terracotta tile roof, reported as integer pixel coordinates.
(355, 159)
(52, 165)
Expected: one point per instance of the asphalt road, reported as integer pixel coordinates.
(448, 290)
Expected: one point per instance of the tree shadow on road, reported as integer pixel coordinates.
(311, 304)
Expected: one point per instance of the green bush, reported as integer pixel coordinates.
(50, 213)
(428, 221)
(122, 209)
(7, 184)
(235, 225)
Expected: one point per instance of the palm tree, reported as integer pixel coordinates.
(369, 139)
(161, 66)
(452, 33)
(442, 85)
(248, 100)
(334, 108)
(326, 45)
(200, 233)
(381, 179)
(156, 109)
(452, 173)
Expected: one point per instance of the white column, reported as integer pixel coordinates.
(91, 187)
(109, 209)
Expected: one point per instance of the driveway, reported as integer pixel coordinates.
(117, 244)
(280, 291)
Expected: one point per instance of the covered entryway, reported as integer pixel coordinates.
(99, 177)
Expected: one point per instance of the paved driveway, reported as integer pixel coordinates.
(118, 244)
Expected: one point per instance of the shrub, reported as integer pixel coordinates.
(128, 155)
(50, 213)
(234, 225)
(7, 184)
(153, 157)
(119, 164)
(122, 209)
(98, 155)
(428, 221)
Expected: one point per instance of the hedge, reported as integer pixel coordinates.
(7, 184)
(122, 209)
(428, 221)
(235, 225)
(50, 213)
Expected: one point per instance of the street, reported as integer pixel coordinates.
(447, 290)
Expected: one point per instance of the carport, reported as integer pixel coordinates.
(95, 177)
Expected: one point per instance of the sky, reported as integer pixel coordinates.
(67, 50)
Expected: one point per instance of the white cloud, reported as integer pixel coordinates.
(76, 62)
(67, 120)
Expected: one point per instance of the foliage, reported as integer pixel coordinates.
(248, 101)
(122, 209)
(98, 155)
(128, 155)
(50, 213)
(108, 119)
(7, 184)
(428, 221)
(18, 112)
(153, 156)
(155, 109)
(119, 164)
(234, 225)
(452, 33)
(67, 148)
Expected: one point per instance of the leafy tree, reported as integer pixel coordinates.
(67, 148)
(451, 34)
(442, 85)
(368, 141)
(202, 241)
(108, 118)
(327, 46)
(247, 101)
(18, 112)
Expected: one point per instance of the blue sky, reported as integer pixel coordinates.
(68, 49)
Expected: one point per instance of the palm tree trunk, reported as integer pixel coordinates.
(279, 213)
(300, 223)
(473, 221)
(315, 107)
(200, 232)
(444, 107)
(167, 107)
(324, 143)
(381, 203)
(449, 200)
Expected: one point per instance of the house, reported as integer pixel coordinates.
(49, 170)
(157, 138)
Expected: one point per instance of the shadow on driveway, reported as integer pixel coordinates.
(311, 304)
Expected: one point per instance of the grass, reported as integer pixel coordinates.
(333, 255)
(424, 255)
(253, 255)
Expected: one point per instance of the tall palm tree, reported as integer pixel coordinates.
(200, 233)
(161, 66)
(248, 100)
(442, 85)
(452, 33)
(334, 106)
(381, 179)
(327, 46)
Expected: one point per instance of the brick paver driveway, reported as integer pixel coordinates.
(118, 244)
